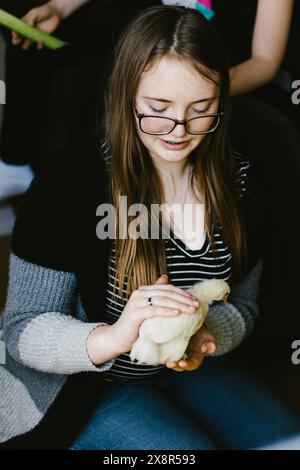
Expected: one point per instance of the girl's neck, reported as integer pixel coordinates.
(175, 178)
(173, 170)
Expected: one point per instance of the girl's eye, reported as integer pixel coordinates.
(157, 110)
(198, 111)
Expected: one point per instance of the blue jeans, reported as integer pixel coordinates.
(218, 406)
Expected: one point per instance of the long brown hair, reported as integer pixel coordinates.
(185, 35)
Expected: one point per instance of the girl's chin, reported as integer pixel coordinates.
(172, 155)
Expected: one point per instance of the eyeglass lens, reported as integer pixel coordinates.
(159, 125)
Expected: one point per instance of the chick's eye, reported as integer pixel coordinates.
(157, 110)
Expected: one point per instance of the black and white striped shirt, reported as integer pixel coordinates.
(185, 268)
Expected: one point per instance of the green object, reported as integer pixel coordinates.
(35, 34)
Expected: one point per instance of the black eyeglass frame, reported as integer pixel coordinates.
(140, 116)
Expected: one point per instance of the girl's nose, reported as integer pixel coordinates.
(179, 131)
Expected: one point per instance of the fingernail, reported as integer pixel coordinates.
(204, 348)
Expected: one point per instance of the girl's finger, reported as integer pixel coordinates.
(170, 364)
(157, 311)
(191, 363)
(177, 368)
(170, 302)
(174, 365)
(175, 295)
(183, 364)
(208, 347)
(167, 287)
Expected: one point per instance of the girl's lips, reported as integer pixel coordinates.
(178, 146)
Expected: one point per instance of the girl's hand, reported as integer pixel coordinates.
(168, 301)
(201, 343)
(46, 17)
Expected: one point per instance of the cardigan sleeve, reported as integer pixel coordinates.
(232, 322)
(39, 329)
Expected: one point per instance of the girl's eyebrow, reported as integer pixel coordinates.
(169, 101)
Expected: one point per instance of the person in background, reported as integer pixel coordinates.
(54, 95)
(259, 66)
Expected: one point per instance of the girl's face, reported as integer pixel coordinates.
(174, 89)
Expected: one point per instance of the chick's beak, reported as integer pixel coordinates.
(225, 297)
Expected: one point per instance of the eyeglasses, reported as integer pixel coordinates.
(158, 125)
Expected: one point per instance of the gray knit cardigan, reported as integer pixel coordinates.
(44, 329)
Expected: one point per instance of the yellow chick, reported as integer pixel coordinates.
(163, 339)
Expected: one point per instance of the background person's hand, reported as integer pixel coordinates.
(46, 17)
(200, 344)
